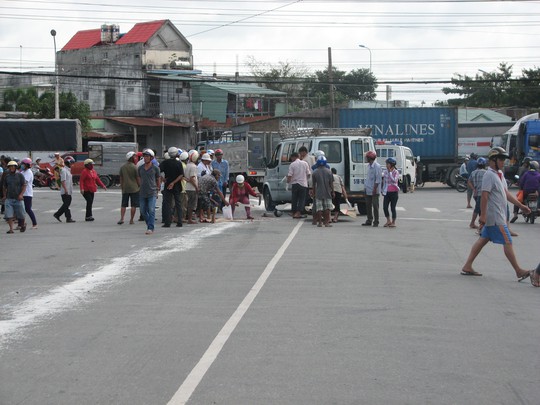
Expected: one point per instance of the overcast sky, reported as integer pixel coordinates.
(409, 41)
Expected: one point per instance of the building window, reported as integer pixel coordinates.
(85, 95)
(130, 89)
(110, 99)
(83, 59)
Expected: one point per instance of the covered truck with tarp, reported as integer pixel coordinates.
(30, 137)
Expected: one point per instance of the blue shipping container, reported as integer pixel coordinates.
(429, 132)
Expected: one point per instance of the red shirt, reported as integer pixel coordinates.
(237, 192)
(89, 179)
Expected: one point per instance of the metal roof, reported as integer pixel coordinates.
(245, 88)
(148, 122)
(481, 115)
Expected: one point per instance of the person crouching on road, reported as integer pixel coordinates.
(130, 187)
(66, 191)
(323, 192)
(208, 186)
(390, 191)
(149, 181)
(88, 185)
(14, 186)
(240, 193)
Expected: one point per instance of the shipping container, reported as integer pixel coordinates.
(431, 133)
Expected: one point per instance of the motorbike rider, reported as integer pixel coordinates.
(530, 184)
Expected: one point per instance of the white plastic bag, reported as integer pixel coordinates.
(227, 212)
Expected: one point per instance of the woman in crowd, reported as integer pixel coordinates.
(26, 170)
(88, 184)
(390, 191)
(240, 194)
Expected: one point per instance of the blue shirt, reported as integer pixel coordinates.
(374, 176)
(223, 167)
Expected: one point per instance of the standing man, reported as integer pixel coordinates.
(149, 181)
(493, 215)
(323, 192)
(298, 176)
(192, 184)
(130, 188)
(373, 186)
(174, 173)
(223, 166)
(66, 191)
(14, 186)
(472, 164)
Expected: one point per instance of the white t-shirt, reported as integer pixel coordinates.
(29, 178)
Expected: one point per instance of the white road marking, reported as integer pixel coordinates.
(197, 374)
(432, 209)
(72, 295)
(435, 219)
(400, 209)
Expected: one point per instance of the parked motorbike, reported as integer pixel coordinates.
(45, 178)
(461, 183)
(532, 203)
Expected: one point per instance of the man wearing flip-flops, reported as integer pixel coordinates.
(494, 203)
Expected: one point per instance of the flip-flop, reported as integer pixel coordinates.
(525, 277)
(120, 222)
(470, 273)
(535, 281)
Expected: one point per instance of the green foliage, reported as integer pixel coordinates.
(496, 89)
(302, 87)
(27, 100)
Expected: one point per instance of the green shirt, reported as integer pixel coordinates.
(128, 174)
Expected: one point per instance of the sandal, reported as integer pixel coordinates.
(120, 222)
(525, 276)
(470, 273)
(10, 231)
(535, 278)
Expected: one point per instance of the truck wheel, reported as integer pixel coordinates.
(451, 178)
(268, 202)
(405, 184)
(106, 180)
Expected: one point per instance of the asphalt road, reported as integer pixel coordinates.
(270, 311)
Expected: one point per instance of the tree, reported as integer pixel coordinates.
(496, 89)
(43, 107)
(284, 76)
(359, 84)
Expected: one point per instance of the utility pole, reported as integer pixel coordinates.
(331, 83)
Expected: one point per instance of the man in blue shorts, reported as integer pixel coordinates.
(494, 201)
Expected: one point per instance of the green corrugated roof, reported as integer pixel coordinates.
(481, 115)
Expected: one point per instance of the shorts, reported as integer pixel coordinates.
(497, 234)
(134, 197)
(204, 202)
(323, 204)
(14, 209)
(477, 203)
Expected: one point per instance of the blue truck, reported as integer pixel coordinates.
(521, 141)
(431, 133)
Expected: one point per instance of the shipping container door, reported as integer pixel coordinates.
(357, 166)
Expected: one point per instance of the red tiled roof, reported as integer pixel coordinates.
(141, 32)
(84, 39)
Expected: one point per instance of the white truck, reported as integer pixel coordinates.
(406, 163)
(344, 150)
(108, 158)
(246, 152)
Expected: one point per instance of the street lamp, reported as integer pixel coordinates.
(162, 116)
(363, 46)
(56, 92)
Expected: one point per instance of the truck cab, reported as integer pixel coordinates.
(404, 156)
(520, 141)
(344, 151)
